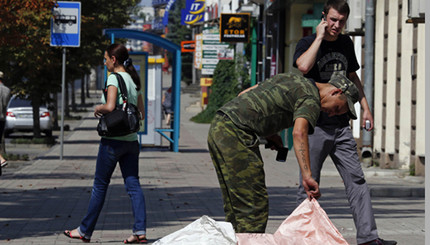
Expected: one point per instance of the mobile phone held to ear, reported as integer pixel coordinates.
(323, 17)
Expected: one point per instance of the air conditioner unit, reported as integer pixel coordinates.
(355, 20)
(416, 8)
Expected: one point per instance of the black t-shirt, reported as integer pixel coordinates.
(332, 56)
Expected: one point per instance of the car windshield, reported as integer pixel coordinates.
(18, 102)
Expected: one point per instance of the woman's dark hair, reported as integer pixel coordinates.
(340, 6)
(121, 54)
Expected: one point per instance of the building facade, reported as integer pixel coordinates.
(398, 69)
(397, 66)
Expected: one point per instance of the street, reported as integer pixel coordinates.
(45, 196)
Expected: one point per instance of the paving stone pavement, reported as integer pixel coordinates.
(42, 198)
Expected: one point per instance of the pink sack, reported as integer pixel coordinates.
(308, 224)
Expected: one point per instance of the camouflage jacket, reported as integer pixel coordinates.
(275, 104)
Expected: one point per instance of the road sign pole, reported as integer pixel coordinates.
(63, 86)
(65, 32)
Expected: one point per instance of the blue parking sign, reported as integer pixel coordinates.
(66, 24)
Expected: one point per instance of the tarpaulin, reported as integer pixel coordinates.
(308, 224)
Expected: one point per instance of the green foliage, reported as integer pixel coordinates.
(17, 157)
(31, 66)
(38, 141)
(229, 79)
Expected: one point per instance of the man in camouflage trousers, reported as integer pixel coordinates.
(263, 110)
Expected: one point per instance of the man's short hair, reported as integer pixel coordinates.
(340, 6)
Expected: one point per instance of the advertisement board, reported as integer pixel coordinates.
(235, 27)
(210, 50)
(193, 13)
(198, 51)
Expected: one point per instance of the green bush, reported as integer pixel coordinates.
(229, 79)
(43, 140)
(17, 157)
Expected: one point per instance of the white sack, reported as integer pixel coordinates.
(203, 231)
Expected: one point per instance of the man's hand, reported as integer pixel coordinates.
(367, 115)
(277, 141)
(321, 27)
(246, 90)
(311, 187)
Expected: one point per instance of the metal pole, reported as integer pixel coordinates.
(177, 99)
(193, 69)
(369, 27)
(63, 85)
(254, 57)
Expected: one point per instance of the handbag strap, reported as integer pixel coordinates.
(122, 88)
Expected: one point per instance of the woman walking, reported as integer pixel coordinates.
(122, 149)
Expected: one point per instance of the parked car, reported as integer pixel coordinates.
(19, 117)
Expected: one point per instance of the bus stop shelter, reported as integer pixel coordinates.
(176, 75)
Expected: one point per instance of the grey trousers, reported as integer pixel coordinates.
(342, 148)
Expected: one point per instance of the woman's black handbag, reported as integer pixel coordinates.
(124, 119)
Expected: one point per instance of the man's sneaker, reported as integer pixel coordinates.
(380, 241)
(3, 163)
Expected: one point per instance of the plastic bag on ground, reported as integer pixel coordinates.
(308, 224)
(203, 231)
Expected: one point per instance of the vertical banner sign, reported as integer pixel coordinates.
(66, 24)
(235, 27)
(198, 51)
(193, 13)
(166, 12)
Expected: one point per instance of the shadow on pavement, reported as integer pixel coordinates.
(48, 211)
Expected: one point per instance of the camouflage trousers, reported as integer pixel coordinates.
(240, 170)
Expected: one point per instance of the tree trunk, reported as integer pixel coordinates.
(83, 81)
(73, 95)
(36, 116)
(88, 86)
(66, 101)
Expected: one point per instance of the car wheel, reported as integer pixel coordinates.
(48, 133)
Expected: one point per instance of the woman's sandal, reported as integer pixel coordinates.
(68, 233)
(136, 239)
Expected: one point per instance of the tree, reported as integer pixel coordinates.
(225, 86)
(34, 66)
(27, 59)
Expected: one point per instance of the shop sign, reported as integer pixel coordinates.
(235, 27)
(193, 13)
(198, 51)
(188, 46)
(206, 81)
(211, 47)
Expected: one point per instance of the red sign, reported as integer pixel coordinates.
(188, 46)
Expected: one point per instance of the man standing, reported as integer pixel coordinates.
(318, 56)
(4, 100)
(280, 102)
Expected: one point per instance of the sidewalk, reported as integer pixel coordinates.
(41, 199)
